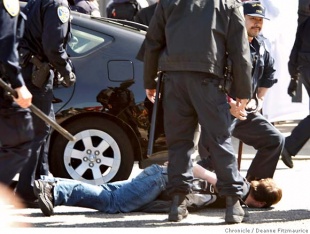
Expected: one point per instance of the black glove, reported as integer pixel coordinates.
(69, 80)
(291, 90)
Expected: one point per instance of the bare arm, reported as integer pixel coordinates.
(151, 93)
(261, 92)
(202, 173)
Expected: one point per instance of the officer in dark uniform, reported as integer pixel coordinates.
(256, 130)
(122, 9)
(188, 41)
(89, 7)
(145, 15)
(299, 69)
(42, 50)
(16, 132)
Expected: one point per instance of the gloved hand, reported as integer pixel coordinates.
(291, 90)
(69, 80)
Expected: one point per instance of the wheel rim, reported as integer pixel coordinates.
(94, 157)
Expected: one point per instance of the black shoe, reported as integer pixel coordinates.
(31, 204)
(287, 158)
(178, 209)
(234, 211)
(44, 192)
(20, 203)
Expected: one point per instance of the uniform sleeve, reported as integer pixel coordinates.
(268, 79)
(137, 18)
(8, 49)
(155, 42)
(54, 39)
(239, 52)
(293, 59)
(141, 17)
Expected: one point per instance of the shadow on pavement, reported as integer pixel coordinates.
(205, 217)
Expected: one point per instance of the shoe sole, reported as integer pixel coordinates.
(238, 218)
(235, 219)
(36, 188)
(176, 217)
(45, 205)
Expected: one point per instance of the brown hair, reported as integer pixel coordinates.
(266, 190)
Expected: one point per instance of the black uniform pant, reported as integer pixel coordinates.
(191, 98)
(16, 134)
(301, 133)
(258, 132)
(42, 99)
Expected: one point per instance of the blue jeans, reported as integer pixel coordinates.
(111, 198)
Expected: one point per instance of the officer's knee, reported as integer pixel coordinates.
(278, 140)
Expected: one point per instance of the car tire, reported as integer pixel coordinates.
(101, 153)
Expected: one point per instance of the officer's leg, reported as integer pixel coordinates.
(42, 99)
(43, 166)
(180, 124)
(299, 137)
(258, 132)
(15, 142)
(215, 120)
(300, 134)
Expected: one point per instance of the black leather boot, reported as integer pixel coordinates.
(178, 209)
(234, 211)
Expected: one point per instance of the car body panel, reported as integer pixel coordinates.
(109, 86)
(106, 108)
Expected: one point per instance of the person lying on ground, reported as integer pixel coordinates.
(262, 193)
(133, 195)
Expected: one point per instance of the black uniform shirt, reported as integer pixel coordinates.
(47, 32)
(8, 42)
(263, 64)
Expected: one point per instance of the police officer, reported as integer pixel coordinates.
(267, 140)
(89, 7)
(299, 69)
(145, 15)
(256, 130)
(122, 9)
(42, 50)
(188, 41)
(15, 120)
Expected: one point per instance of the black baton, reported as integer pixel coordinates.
(40, 114)
(154, 115)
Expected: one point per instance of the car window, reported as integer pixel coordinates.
(84, 40)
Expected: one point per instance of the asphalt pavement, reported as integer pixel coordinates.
(290, 215)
